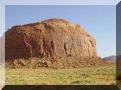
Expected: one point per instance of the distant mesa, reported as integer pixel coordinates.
(110, 58)
(57, 40)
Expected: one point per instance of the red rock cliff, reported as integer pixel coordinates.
(49, 38)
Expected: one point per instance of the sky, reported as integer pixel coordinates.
(61, 2)
(99, 21)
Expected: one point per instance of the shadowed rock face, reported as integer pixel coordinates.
(49, 38)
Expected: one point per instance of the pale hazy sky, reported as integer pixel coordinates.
(99, 21)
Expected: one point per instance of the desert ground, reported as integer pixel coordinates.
(95, 75)
(52, 46)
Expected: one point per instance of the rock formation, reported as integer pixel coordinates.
(53, 38)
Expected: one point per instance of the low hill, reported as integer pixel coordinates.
(110, 58)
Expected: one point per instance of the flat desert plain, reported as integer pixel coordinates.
(95, 75)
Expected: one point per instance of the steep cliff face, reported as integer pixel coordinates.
(49, 38)
(54, 38)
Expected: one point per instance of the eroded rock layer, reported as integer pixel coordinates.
(54, 38)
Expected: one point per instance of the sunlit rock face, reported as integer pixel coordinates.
(49, 38)
(54, 43)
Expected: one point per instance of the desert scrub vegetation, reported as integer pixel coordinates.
(2, 75)
(97, 75)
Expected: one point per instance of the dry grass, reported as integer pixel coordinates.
(2, 75)
(98, 75)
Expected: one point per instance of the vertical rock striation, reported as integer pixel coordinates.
(49, 38)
